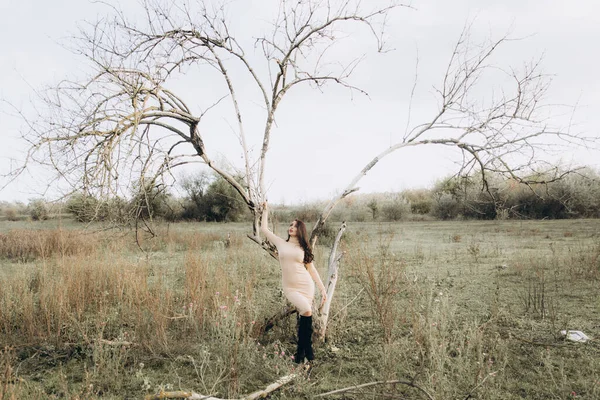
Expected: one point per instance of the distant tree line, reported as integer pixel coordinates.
(206, 197)
(576, 195)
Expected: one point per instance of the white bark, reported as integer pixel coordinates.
(124, 125)
(504, 135)
(364, 385)
(332, 278)
(252, 396)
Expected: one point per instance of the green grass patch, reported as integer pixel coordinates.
(461, 308)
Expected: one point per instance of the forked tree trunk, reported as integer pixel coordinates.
(332, 277)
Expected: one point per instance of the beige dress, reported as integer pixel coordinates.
(298, 285)
(298, 280)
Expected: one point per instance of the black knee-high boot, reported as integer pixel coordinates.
(308, 349)
(305, 331)
(299, 356)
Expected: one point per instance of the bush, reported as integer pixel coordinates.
(374, 207)
(537, 202)
(446, 207)
(83, 208)
(395, 209)
(361, 215)
(150, 201)
(222, 203)
(211, 199)
(195, 188)
(327, 235)
(281, 216)
(420, 201)
(422, 206)
(86, 208)
(308, 212)
(11, 214)
(38, 210)
(480, 205)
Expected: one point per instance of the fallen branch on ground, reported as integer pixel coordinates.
(195, 396)
(114, 342)
(393, 382)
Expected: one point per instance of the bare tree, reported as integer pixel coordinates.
(506, 134)
(125, 124)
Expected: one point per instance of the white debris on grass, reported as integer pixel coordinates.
(575, 336)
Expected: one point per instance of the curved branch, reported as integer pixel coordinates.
(238, 115)
(252, 396)
(376, 383)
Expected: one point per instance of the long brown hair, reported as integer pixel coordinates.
(303, 241)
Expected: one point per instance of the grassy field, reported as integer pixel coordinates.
(461, 309)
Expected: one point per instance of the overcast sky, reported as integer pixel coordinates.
(323, 139)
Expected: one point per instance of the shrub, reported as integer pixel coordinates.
(150, 200)
(374, 207)
(308, 212)
(422, 206)
(395, 209)
(211, 199)
(446, 207)
(327, 235)
(11, 214)
(86, 208)
(222, 203)
(480, 206)
(282, 216)
(360, 215)
(83, 207)
(38, 210)
(420, 201)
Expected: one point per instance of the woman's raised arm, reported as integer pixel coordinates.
(264, 227)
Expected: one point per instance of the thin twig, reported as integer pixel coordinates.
(393, 382)
(376, 395)
(350, 302)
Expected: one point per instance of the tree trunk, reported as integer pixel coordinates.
(332, 277)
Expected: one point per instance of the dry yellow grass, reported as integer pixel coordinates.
(28, 245)
(93, 316)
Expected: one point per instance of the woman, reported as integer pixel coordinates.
(297, 268)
